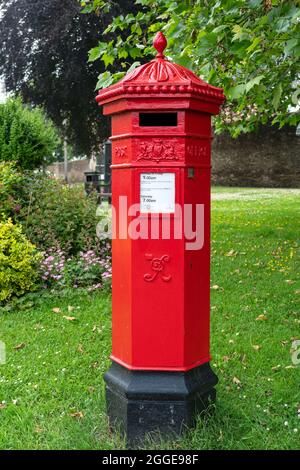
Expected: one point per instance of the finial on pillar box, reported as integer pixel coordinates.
(160, 43)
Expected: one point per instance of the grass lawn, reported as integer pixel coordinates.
(51, 387)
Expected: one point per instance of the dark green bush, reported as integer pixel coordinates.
(55, 215)
(27, 137)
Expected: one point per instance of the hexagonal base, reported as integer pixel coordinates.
(141, 402)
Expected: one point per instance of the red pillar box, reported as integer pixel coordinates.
(161, 137)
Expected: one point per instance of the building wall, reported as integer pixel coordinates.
(76, 169)
(269, 158)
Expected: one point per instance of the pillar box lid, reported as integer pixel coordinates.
(162, 79)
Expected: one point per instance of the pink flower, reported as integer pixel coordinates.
(106, 275)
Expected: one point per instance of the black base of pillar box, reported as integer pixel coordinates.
(142, 402)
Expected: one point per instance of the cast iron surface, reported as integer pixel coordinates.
(160, 403)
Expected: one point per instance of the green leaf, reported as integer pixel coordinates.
(104, 80)
(133, 66)
(107, 59)
(296, 51)
(276, 96)
(290, 44)
(95, 53)
(122, 54)
(135, 28)
(254, 81)
(253, 45)
(254, 3)
(87, 9)
(185, 60)
(220, 28)
(236, 91)
(135, 52)
(239, 33)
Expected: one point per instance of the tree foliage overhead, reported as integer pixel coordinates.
(43, 57)
(249, 48)
(27, 137)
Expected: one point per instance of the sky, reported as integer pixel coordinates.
(2, 92)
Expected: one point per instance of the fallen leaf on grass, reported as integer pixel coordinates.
(38, 429)
(230, 253)
(236, 381)
(215, 287)
(77, 414)
(20, 346)
(226, 358)
(243, 358)
(262, 317)
(80, 349)
(276, 368)
(2, 406)
(297, 291)
(69, 318)
(256, 347)
(56, 310)
(70, 308)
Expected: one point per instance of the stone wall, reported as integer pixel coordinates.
(267, 158)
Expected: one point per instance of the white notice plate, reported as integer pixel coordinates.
(157, 192)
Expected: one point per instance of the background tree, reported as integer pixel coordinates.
(27, 137)
(43, 57)
(249, 48)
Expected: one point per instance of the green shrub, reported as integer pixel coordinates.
(55, 215)
(27, 137)
(10, 182)
(18, 262)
